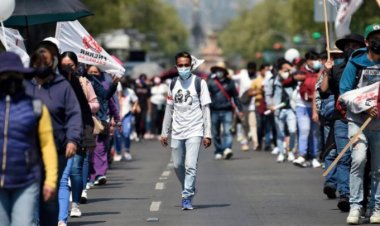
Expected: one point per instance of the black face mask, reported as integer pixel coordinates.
(11, 86)
(252, 74)
(374, 46)
(67, 71)
(347, 53)
(44, 72)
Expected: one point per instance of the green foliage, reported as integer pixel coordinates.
(157, 20)
(271, 21)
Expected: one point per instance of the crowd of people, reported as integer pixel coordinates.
(64, 122)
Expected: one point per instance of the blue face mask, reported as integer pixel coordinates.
(317, 65)
(184, 72)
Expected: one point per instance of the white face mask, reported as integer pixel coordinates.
(284, 75)
(317, 65)
(268, 74)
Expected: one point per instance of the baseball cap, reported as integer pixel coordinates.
(370, 29)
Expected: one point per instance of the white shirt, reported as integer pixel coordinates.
(187, 115)
(243, 81)
(158, 94)
(128, 99)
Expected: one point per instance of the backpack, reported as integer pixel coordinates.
(307, 88)
(197, 85)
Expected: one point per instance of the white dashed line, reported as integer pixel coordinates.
(166, 173)
(155, 206)
(160, 186)
(163, 178)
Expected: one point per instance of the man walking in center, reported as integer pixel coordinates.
(188, 113)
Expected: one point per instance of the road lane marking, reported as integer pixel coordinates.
(163, 178)
(166, 173)
(155, 206)
(160, 186)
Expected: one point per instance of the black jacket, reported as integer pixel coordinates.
(219, 100)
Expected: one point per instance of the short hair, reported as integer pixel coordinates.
(281, 62)
(323, 55)
(263, 66)
(312, 55)
(183, 54)
(252, 65)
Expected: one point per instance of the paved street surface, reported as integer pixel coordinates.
(250, 189)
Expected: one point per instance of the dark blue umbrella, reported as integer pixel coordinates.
(32, 12)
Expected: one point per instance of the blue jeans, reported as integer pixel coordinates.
(286, 116)
(76, 176)
(127, 129)
(219, 118)
(339, 177)
(185, 159)
(17, 206)
(308, 133)
(369, 139)
(64, 191)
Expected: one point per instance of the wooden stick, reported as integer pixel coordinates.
(351, 142)
(327, 30)
(378, 2)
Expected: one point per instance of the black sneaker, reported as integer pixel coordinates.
(330, 192)
(344, 204)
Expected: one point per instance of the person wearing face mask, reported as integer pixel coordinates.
(308, 142)
(222, 92)
(159, 92)
(338, 179)
(56, 92)
(363, 69)
(23, 121)
(190, 123)
(143, 93)
(277, 93)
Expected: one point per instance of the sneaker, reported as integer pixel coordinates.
(306, 164)
(83, 198)
(344, 204)
(61, 223)
(315, 163)
(245, 147)
(227, 154)
(186, 204)
(299, 161)
(375, 217)
(117, 158)
(353, 216)
(291, 157)
(330, 192)
(127, 156)
(218, 156)
(75, 211)
(274, 151)
(89, 185)
(101, 180)
(280, 158)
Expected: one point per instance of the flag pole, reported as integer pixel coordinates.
(327, 30)
(351, 142)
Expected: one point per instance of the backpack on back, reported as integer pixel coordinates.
(307, 88)
(197, 85)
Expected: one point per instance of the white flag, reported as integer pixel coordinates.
(14, 42)
(361, 99)
(346, 8)
(73, 37)
(196, 62)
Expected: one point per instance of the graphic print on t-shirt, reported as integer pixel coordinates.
(183, 99)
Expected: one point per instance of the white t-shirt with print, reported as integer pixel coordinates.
(128, 99)
(158, 94)
(187, 115)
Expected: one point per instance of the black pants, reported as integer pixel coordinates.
(158, 112)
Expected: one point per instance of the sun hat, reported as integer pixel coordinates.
(11, 62)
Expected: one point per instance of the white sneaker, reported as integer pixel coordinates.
(83, 198)
(274, 151)
(89, 185)
(280, 158)
(353, 216)
(218, 156)
(244, 147)
(61, 223)
(291, 157)
(299, 161)
(315, 163)
(375, 217)
(127, 156)
(75, 211)
(227, 153)
(117, 158)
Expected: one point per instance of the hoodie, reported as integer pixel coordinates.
(359, 72)
(64, 109)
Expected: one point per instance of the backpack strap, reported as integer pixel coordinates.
(172, 84)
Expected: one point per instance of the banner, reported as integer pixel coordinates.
(73, 37)
(361, 99)
(343, 19)
(14, 42)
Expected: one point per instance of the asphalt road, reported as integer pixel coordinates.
(249, 189)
